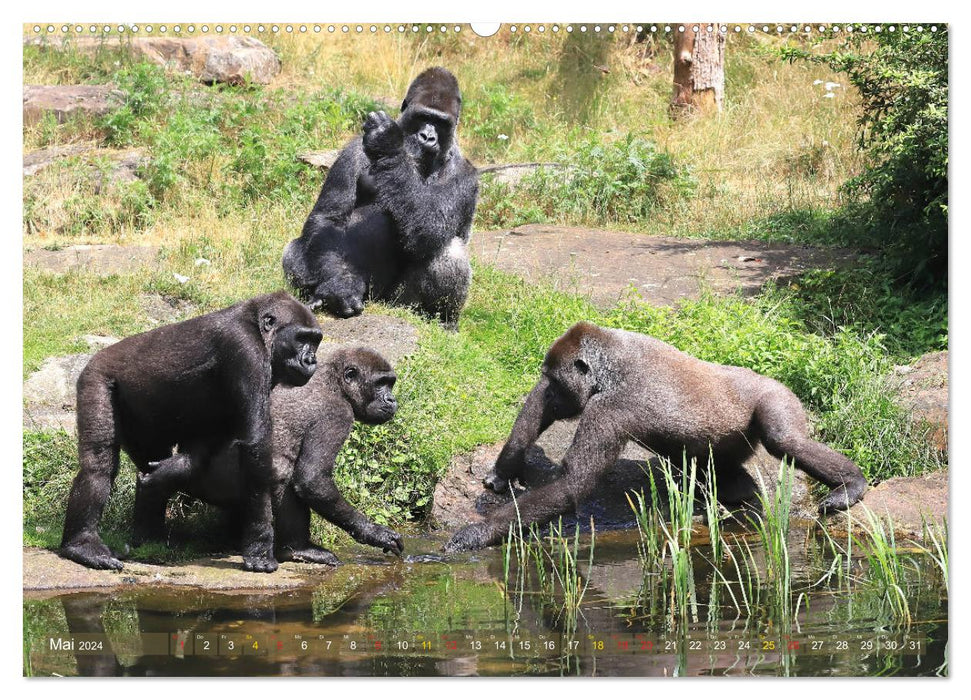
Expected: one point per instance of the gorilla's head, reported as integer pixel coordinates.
(292, 334)
(430, 114)
(576, 366)
(367, 380)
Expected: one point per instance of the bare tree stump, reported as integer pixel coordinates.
(699, 69)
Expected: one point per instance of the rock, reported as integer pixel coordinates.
(922, 388)
(235, 60)
(50, 393)
(393, 337)
(65, 101)
(103, 168)
(512, 173)
(907, 500)
(36, 161)
(320, 159)
(100, 259)
(99, 342)
(460, 497)
(164, 309)
(46, 571)
(50, 397)
(604, 265)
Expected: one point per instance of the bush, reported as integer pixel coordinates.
(902, 78)
(620, 182)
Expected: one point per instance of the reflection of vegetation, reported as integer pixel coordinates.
(551, 561)
(439, 600)
(120, 619)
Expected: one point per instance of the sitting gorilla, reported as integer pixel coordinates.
(627, 386)
(202, 384)
(393, 218)
(310, 424)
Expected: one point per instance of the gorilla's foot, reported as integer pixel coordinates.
(842, 497)
(92, 553)
(260, 564)
(311, 554)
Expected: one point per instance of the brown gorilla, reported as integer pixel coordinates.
(628, 386)
(310, 425)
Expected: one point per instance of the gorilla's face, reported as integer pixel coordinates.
(430, 115)
(428, 132)
(292, 334)
(368, 381)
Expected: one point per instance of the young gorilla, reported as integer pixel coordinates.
(310, 424)
(393, 218)
(628, 386)
(201, 384)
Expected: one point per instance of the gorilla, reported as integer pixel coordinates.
(393, 218)
(628, 386)
(199, 384)
(310, 424)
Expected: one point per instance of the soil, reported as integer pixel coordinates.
(604, 265)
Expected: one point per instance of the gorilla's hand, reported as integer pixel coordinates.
(842, 497)
(385, 538)
(475, 536)
(382, 136)
(494, 482)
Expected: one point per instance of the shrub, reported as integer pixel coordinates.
(902, 78)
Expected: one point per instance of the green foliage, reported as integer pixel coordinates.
(902, 79)
(619, 182)
(866, 301)
(49, 464)
(144, 86)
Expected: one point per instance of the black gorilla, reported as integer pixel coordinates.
(310, 424)
(199, 384)
(627, 386)
(393, 218)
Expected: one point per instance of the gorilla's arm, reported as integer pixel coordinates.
(428, 214)
(313, 482)
(338, 197)
(543, 407)
(596, 446)
(259, 484)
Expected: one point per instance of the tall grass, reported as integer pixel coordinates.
(772, 526)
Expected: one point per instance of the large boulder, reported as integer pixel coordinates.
(67, 101)
(605, 265)
(235, 60)
(922, 389)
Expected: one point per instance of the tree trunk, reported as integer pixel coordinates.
(699, 69)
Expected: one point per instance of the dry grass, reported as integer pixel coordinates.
(779, 145)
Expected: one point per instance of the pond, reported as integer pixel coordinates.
(548, 607)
